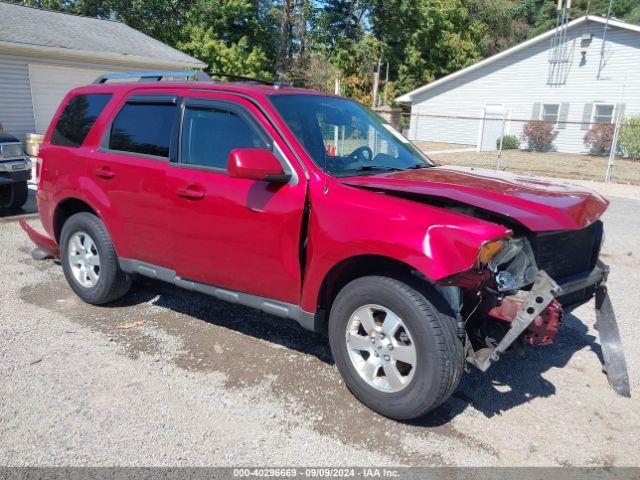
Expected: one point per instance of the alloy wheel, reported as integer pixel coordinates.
(84, 259)
(381, 348)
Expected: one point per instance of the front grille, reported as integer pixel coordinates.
(566, 253)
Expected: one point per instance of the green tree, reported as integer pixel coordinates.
(498, 29)
(237, 58)
(232, 36)
(338, 29)
(426, 39)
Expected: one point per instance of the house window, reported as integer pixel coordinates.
(602, 113)
(550, 112)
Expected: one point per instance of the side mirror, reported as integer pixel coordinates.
(256, 164)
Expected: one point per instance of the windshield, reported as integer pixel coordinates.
(344, 138)
(10, 150)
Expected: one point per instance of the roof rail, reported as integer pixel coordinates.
(152, 76)
(230, 76)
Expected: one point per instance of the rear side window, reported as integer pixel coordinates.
(209, 134)
(77, 119)
(143, 129)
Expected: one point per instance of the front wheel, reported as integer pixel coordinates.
(395, 346)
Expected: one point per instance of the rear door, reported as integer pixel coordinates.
(233, 233)
(130, 169)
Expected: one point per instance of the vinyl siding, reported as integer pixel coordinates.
(521, 80)
(16, 106)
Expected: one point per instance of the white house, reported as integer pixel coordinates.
(587, 74)
(43, 54)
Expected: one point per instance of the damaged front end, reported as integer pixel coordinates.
(520, 289)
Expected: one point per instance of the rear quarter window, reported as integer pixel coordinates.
(78, 117)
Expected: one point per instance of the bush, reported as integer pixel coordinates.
(538, 134)
(630, 137)
(509, 142)
(599, 138)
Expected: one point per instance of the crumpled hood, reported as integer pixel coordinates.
(537, 204)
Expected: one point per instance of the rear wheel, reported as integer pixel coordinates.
(395, 346)
(89, 260)
(14, 195)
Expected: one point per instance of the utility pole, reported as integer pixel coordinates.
(386, 85)
(376, 82)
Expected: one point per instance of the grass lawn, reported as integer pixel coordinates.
(559, 165)
(436, 146)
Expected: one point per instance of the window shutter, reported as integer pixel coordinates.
(586, 116)
(535, 115)
(563, 114)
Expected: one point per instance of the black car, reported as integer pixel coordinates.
(15, 172)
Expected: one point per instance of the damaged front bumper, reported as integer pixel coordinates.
(533, 313)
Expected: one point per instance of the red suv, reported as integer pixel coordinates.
(310, 207)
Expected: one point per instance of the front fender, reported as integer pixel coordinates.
(347, 222)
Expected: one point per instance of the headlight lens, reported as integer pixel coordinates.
(514, 266)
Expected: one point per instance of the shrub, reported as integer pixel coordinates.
(538, 134)
(630, 137)
(509, 142)
(599, 138)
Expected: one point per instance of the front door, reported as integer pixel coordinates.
(233, 233)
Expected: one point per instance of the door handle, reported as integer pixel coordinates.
(191, 192)
(104, 172)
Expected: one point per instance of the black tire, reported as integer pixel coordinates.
(112, 282)
(439, 352)
(14, 195)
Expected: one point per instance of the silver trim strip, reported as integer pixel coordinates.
(308, 320)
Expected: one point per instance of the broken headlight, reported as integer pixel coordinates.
(514, 266)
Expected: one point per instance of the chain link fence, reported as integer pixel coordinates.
(604, 146)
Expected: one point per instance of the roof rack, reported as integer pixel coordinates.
(152, 76)
(276, 84)
(198, 76)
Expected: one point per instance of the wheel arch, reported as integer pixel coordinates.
(354, 267)
(65, 209)
(359, 266)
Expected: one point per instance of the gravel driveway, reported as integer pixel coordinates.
(170, 377)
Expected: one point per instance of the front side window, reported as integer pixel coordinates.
(210, 133)
(343, 137)
(550, 112)
(143, 128)
(77, 119)
(602, 113)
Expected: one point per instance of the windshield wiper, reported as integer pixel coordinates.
(368, 168)
(418, 166)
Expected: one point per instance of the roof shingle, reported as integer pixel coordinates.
(43, 28)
